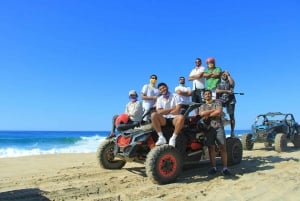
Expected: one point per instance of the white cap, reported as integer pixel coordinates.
(132, 92)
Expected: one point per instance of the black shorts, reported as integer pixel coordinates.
(197, 96)
(229, 108)
(169, 122)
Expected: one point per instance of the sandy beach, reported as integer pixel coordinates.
(263, 174)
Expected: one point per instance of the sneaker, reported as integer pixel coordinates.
(226, 172)
(161, 140)
(212, 171)
(172, 141)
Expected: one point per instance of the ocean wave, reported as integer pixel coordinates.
(18, 144)
(83, 145)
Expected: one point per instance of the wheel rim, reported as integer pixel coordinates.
(167, 165)
(284, 143)
(235, 153)
(248, 140)
(110, 154)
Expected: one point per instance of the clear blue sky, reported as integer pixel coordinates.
(69, 64)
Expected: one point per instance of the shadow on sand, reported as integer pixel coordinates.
(30, 194)
(197, 171)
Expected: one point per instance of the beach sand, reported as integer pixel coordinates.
(263, 174)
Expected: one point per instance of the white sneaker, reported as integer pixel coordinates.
(161, 140)
(172, 141)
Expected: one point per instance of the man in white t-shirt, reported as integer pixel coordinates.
(168, 108)
(183, 91)
(149, 95)
(133, 113)
(196, 76)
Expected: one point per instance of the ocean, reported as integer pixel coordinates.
(29, 143)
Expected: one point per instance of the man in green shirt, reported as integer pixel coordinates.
(212, 76)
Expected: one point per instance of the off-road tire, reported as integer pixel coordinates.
(296, 140)
(234, 151)
(163, 164)
(247, 142)
(280, 142)
(105, 156)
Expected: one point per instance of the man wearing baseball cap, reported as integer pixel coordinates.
(133, 113)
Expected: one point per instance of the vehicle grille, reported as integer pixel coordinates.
(261, 133)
